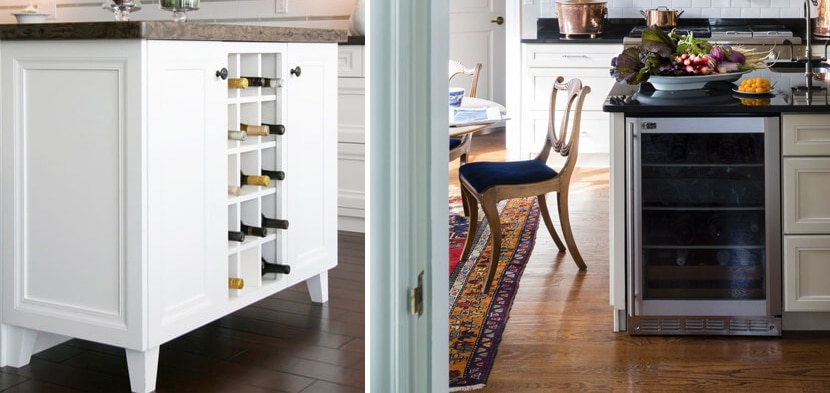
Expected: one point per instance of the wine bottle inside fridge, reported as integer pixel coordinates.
(238, 83)
(269, 267)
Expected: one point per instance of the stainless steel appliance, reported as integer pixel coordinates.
(704, 236)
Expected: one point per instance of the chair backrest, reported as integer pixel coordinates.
(456, 68)
(565, 139)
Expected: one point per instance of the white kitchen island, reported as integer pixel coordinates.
(115, 174)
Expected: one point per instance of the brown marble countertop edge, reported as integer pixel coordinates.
(167, 30)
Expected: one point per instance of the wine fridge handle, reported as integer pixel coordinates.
(223, 73)
(631, 217)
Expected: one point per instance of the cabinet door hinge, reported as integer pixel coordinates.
(416, 297)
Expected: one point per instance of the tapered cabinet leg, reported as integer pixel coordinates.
(18, 345)
(318, 287)
(143, 368)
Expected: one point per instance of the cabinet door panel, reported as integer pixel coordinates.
(805, 135)
(311, 172)
(806, 184)
(71, 202)
(806, 268)
(186, 185)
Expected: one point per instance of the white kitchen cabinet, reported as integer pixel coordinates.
(542, 64)
(805, 183)
(115, 201)
(351, 152)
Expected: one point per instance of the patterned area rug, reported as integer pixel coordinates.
(477, 321)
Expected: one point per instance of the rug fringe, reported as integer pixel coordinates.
(467, 388)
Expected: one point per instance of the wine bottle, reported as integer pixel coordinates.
(234, 190)
(254, 231)
(275, 129)
(237, 135)
(254, 180)
(235, 283)
(236, 236)
(268, 267)
(253, 130)
(258, 81)
(274, 223)
(274, 175)
(237, 83)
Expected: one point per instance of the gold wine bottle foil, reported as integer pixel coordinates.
(235, 283)
(237, 135)
(234, 190)
(237, 83)
(258, 181)
(255, 130)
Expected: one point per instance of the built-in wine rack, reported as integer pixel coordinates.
(255, 106)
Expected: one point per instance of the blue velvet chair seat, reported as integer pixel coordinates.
(454, 142)
(482, 174)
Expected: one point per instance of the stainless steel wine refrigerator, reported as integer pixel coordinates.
(703, 235)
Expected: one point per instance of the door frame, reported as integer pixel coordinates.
(407, 170)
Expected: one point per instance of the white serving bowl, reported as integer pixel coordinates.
(28, 17)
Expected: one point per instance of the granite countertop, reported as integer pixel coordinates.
(167, 30)
(791, 93)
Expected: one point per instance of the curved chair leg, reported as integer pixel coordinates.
(491, 211)
(472, 222)
(543, 206)
(564, 218)
(465, 202)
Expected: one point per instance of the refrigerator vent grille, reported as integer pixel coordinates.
(766, 326)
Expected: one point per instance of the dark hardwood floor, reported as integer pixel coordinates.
(559, 336)
(284, 343)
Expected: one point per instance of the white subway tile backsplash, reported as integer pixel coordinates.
(711, 8)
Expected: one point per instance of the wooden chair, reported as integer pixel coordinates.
(488, 183)
(459, 147)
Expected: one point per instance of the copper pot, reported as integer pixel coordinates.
(822, 21)
(581, 17)
(661, 17)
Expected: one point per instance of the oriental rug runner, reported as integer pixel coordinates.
(477, 321)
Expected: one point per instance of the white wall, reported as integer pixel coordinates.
(305, 13)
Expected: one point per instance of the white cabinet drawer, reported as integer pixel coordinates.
(571, 56)
(806, 187)
(805, 135)
(806, 268)
(350, 61)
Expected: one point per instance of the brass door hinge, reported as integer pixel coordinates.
(416, 297)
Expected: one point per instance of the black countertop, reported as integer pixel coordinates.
(791, 93)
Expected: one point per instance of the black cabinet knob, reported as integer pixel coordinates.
(223, 73)
(296, 71)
